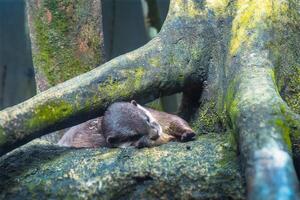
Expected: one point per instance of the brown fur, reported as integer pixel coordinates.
(90, 134)
(173, 125)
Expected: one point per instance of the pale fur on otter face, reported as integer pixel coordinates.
(152, 119)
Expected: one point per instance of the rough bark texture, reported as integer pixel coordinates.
(204, 169)
(233, 51)
(66, 37)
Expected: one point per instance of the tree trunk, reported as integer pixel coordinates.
(230, 53)
(66, 39)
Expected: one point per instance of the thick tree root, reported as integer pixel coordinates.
(256, 112)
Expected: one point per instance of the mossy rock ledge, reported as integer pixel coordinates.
(207, 168)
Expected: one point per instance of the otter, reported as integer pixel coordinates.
(128, 124)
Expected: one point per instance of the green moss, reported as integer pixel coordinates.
(272, 73)
(283, 125)
(230, 147)
(48, 114)
(231, 105)
(156, 104)
(3, 138)
(64, 50)
(251, 17)
(220, 7)
(208, 119)
(233, 140)
(139, 73)
(230, 93)
(292, 123)
(191, 9)
(155, 61)
(292, 97)
(234, 110)
(113, 88)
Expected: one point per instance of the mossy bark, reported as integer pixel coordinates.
(66, 37)
(204, 169)
(232, 51)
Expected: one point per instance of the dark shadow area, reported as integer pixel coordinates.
(124, 25)
(124, 28)
(16, 69)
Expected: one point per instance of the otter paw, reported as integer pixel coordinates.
(187, 136)
(140, 145)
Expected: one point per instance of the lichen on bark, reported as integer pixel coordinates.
(66, 40)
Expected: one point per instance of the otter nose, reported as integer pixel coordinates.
(154, 135)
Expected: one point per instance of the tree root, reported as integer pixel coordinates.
(256, 110)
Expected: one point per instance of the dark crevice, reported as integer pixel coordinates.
(190, 101)
(153, 15)
(142, 179)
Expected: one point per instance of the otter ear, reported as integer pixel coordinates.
(111, 139)
(133, 102)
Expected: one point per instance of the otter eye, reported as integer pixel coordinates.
(112, 139)
(147, 119)
(134, 102)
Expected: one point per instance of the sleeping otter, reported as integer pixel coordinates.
(128, 124)
(125, 123)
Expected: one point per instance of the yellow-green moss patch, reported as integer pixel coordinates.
(112, 88)
(155, 61)
(251, 17)
(283, 125)
(48, 114)
(3, 137)
(189, 8)
(218, 6)
(64, 49)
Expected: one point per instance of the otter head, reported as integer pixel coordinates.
(154, 128)
(126, 123)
